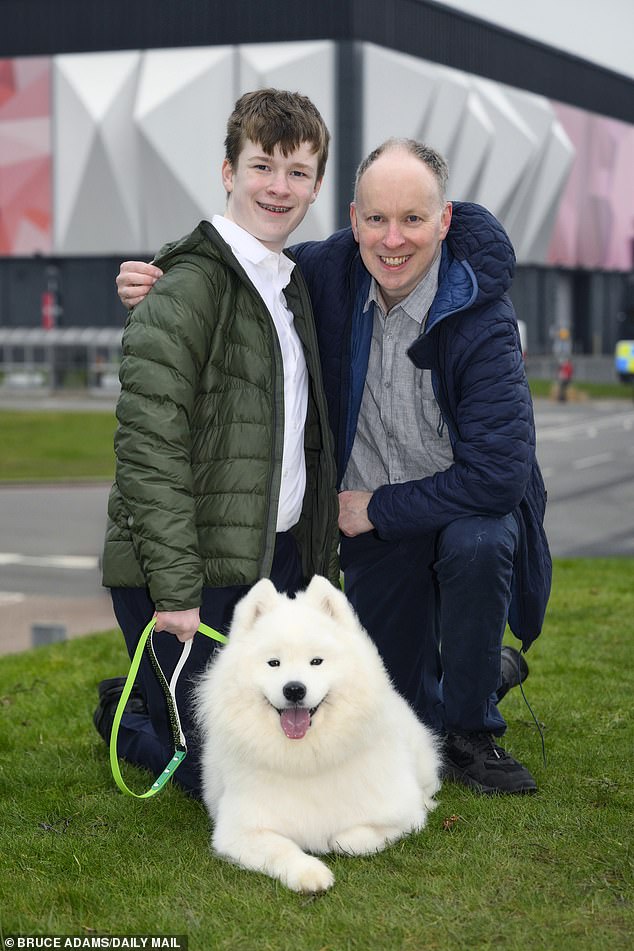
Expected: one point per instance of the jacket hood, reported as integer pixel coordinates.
(477, 240)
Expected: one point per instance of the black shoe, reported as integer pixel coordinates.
(475, 760)
(514, 671)
(109, 695)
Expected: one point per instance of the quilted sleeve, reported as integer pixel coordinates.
(162, 347)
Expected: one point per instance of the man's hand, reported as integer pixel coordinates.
(353, 513)
(134, 280)
(183, 624)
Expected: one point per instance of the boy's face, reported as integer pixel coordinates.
(269, 195)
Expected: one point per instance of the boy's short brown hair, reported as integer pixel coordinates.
(271, 117)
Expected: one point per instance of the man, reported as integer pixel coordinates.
(442, 500)
(225, 470)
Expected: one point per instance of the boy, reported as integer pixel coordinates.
(225, 470)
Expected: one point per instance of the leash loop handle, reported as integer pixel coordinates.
(180, 745)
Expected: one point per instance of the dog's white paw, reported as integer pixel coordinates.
(309, 875)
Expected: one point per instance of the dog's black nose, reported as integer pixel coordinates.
(294, 691)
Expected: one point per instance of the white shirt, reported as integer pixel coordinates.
(270, 273)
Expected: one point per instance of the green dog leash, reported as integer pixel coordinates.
(169, 689)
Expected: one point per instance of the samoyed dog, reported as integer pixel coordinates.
(307, 747)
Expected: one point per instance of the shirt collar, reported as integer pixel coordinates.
(418, 301)
(243, 244)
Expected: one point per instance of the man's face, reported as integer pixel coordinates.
(399, 220)
(269, 195)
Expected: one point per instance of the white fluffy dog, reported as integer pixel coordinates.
(307, 747)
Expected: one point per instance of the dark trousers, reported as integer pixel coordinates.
(146, 740)
(437, 607)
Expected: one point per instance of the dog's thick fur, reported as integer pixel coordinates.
(307, 747)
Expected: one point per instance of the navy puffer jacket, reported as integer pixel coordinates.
(471, 346)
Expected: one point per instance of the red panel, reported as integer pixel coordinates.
(25, 156)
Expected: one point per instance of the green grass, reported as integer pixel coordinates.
(56, 446)
(66, 446)
(553, 871)
(595, 391)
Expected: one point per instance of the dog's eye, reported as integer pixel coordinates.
(316, 661)
(273, 662)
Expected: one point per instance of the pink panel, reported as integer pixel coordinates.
(31, 89)
(6, 81)
(25, 156)
(621, 196)
(595, 222)
(563, 247)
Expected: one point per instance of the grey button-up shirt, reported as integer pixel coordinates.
(400, 433)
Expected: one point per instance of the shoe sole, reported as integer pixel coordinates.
(458, 776)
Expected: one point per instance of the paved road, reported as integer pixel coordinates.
(50, 541)
(586, 451)
(51, 537)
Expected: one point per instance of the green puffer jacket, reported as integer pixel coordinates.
(199, 441)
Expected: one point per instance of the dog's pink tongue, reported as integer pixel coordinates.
(295, 722)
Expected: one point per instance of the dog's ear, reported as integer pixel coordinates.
(332, 601)
(261, 598)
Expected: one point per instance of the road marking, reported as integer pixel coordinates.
(591, 461)
(70, 562)
(588, 427)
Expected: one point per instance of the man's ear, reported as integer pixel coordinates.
(446, 219)
(353, 221)
(227, 176)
